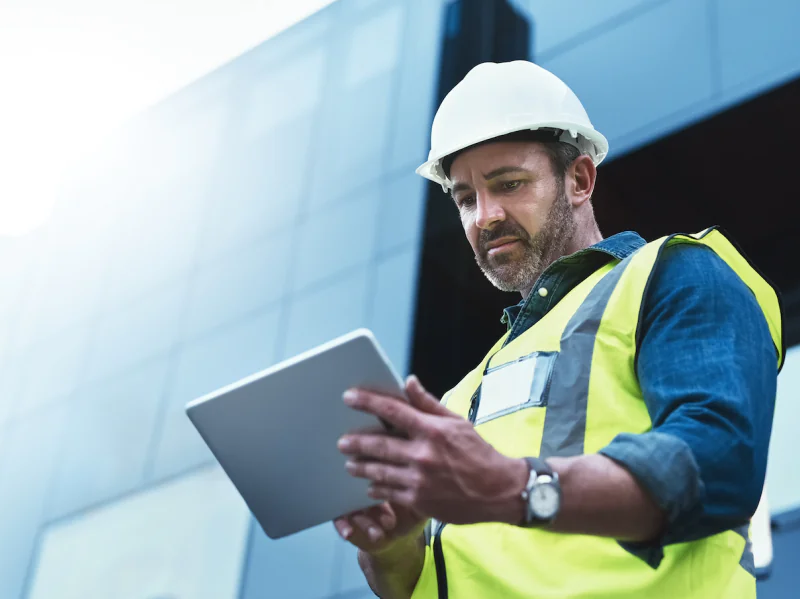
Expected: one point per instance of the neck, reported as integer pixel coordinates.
(586, 234)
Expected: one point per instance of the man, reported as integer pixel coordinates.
(613, 443)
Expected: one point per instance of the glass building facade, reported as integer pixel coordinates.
(265, 209)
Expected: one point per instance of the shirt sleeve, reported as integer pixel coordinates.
(707, 367)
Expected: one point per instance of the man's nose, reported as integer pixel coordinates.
(489, 211)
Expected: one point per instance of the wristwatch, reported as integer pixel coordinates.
(541, 495)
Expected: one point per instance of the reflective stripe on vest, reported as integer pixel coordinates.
(565, 419)
(585, 348)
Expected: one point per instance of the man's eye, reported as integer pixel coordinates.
(509, 185)
(466, 202)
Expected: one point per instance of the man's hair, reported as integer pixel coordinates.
(561, 154)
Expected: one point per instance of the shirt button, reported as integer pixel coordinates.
(543, 291)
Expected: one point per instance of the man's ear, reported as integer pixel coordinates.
(580, 180)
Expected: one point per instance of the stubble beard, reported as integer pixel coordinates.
(518, 270)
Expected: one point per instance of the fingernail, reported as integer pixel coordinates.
(349, 465)
(344, 443)
(350, 396)
(374, 534)
(347, 533)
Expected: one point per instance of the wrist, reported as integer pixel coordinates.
(396, 549)
(510, 509)
(394, 571)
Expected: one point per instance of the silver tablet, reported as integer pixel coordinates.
(274, 433)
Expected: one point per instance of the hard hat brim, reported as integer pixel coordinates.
(597, 150)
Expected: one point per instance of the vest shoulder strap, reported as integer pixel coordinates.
(765, 293)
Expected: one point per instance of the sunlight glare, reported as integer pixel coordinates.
(71, 73)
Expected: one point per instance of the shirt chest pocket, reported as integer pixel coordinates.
(517, 385)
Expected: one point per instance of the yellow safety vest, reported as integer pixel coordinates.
(587, 393)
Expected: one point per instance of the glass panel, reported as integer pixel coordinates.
(238, 283)
(670, 72)
(137, 331)
(12, 384)
(284, 93)
(27, 463)
(771, 52)
(374, 46)
(106, 447)
(326, 313)
(154, 243)
(336, 238)
(299, 566)
(350, 152)
(401, 212)
(393, 306)
(183, 539)
(52, 367)
(259, 187)
(558, 22)
(204, 366)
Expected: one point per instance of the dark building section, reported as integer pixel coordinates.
(454, 298)
(737, 170)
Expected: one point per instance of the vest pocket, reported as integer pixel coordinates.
(517, 385)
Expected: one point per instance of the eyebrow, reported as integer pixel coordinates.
(503, 170)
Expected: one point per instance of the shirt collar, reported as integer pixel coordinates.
(618, 246)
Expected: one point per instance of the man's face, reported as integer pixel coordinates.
(514, 211)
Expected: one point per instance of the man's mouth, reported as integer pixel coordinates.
(501, 245)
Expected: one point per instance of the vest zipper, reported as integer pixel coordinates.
(438, 560)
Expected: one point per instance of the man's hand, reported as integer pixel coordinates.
(444, 469)
(391, 547)
(380, 528)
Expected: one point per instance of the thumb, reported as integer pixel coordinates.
(422, 400)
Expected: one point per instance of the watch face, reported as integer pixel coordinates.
(544, 501)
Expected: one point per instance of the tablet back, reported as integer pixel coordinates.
(274, 433)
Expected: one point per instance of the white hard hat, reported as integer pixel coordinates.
(495, 99)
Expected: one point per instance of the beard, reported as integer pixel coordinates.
(518, 269)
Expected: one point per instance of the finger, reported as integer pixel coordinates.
(387, 517)
(368, 526)
(404, 497)
(395, 411)
(385, 474)
(343, 527)
(347, 529)
(422, 400)
(383, 515)
(378, 447)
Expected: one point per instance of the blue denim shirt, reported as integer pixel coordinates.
(707, 368)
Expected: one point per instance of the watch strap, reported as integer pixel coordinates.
(539, 466)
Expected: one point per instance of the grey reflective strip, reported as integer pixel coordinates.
(428, 532)
(746, 561)
(565, 419)
(541, 377)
